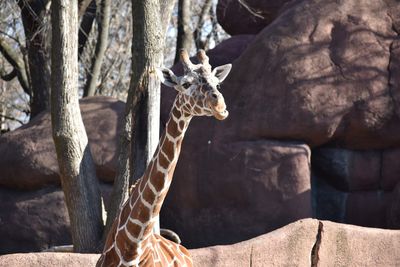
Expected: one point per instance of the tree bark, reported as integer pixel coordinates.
(101, 45)
(141, 131)
(185, 35)
(32, 13)
(202, 18)
(78, 176)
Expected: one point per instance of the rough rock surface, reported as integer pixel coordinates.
(258, 185)
(247, 16)
(363, 208)
(355, 186)
(323, 71)
(35, 220)
(238, 190)
(32, 221)
(348, 245)
(303, 243)
(356, 170)
(28, 159)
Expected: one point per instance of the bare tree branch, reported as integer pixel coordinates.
(8, 77)
(11, 119)
(251, 10)
(18, 64)
(185, 36)
(202, 18)
(101, 46)
(82, 6)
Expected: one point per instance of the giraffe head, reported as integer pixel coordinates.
(198, 88)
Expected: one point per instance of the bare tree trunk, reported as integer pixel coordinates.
(121, 184)
(78, 176)
(143, 99)
(101, 45)
(185, 35)
(202, 18)
(147, 55)
(32, 13)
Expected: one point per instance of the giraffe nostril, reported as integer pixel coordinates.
(215, 96)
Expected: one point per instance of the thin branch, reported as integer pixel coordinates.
(101, 45)
(11, 37)
(18, 64)
(184, 38)
(200, 23)
(8, 77)
(11, 119)
(251, 10)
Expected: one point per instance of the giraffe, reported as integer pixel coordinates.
(131, 241)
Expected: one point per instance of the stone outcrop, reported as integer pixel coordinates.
(260, 185)
(28, 159)
(238, 191)
(35, 220)
(322, 72)
(303, 243)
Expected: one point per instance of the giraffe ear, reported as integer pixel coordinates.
(222, 72)
(167, 77)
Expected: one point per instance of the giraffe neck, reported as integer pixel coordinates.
(137, 217)
(159, 173)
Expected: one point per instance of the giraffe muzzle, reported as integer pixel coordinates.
(218, 106)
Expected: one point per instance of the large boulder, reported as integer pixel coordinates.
(324, 71)
(248, 16)
(33, 221)
(228, 192)
(36, 220)
(29, 159)
(303, 243)
(260, 185)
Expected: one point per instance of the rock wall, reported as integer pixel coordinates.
(303, 243)
(319, 79)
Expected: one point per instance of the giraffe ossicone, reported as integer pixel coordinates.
(131, 241)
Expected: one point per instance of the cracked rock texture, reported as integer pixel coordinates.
(303, 243)
(322, 72)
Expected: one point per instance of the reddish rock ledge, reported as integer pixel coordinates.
(306, 242)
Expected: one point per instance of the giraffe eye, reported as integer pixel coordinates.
(186, 85)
